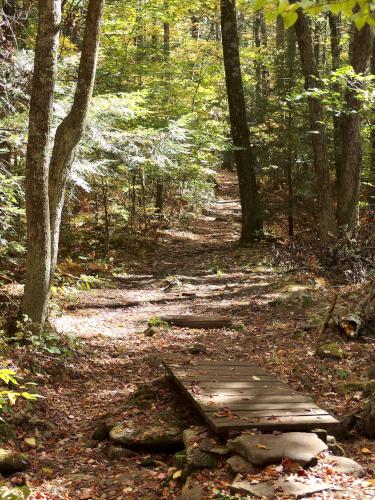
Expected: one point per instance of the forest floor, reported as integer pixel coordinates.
(118, 368)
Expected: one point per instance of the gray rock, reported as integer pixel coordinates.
(263, 449)
(118, 453)
(191, 493)
(329, 351)
(11, 462)
(337, 450)
(137, 436)
(347, 466)
(301, 489)
(239, 465)
(212, 446)
(261, 490)
(179, 459)
(195, 457)
(298, 489)
(102, 429)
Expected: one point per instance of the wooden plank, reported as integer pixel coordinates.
(285, 423)
(221, 370)
(223, 378)
(201, 322)
(253, 384)
(271, 413)
(251, 400)
(231, 397)
(290, 404)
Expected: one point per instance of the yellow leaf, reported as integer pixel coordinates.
(262, 446)
(30, 442)
(177, 474)
(47, 471)
(366, 451)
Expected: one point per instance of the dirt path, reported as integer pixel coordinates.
(195, 271)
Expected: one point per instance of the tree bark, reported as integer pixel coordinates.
(334, 26)
(45, 182)
(245, 158)
(349, 185)
(38, 261)
(70, 130)
(372, 139)
(317, 130)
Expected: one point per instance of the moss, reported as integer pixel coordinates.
(330, 351)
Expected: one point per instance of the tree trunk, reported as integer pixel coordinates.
(334, 26)
(38, 263)
(372, 139)
(45, 184)
(71, 129)
(245, 159)
(317, 130)
(349, 185)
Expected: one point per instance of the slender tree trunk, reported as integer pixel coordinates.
(290, 64)
(38, 263)
(317, 129)
(159, 195)
(372, 139)
(194, 27)
(106, 217)
(45, 183)
(71, 129)
(351, 166)
(334, 26)
(245, 159)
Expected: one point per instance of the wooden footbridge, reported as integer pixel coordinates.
(234, 396)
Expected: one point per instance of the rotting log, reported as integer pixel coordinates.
(201, 322)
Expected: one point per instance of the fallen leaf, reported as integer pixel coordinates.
(366, 451)
(177, 474)
(262, 446)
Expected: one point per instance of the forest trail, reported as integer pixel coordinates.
(199, 271)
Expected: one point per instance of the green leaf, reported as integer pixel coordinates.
(290, 18)
(258, 4)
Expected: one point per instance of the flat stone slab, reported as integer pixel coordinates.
(264, 449)
(137, 436)
(295, 488)
(234, 396)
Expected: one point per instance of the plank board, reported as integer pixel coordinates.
(235, 397)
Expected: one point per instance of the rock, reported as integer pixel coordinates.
(195, 457)
(369, 388)
(179, 459)
(330, 351)
(263, 449)
(322, 434)
(102, 430)
(261, 490)
(138, 436)
(347, 466)
(118, 453)
(212, 446)
(11, 462)
(368, 418)
(197, 349)
(371, 372)
(299, 489)
(191, 493)
(239, 465)
(334, 447)
(294, 488)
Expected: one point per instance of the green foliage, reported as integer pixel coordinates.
(8, 397)
(157, 322)
(18, 493)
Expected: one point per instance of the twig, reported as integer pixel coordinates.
(327, 318)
